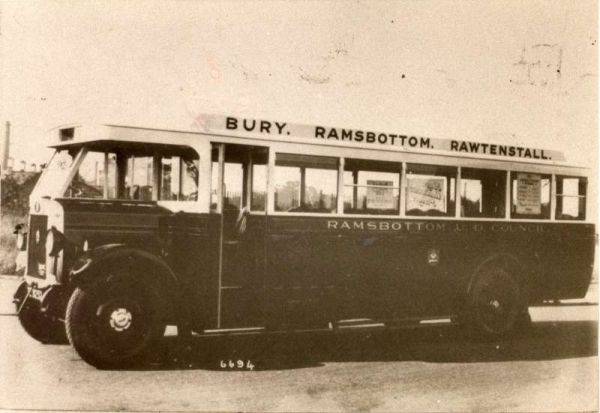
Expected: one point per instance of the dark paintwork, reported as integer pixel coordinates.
(36, 244)
(382, 270)
(302, 271)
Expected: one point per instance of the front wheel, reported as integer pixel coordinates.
(495, 304)
(113, 325)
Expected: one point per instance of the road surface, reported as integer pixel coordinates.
(554, 368)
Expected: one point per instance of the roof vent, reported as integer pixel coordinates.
(67, 134)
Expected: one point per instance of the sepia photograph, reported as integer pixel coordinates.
(299, 206)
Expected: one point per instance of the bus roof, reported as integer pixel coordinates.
(225, 127)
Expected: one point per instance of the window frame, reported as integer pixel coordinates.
(119, 183)
(551, 204)
(451, 212)
(557, 195)
(180, 179)
(306, 164)
(505, 205)
(390, 167)
(508, 171)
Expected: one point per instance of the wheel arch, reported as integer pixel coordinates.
(503, 260)
(95, 267)
(516, 271)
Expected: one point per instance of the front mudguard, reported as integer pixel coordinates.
(87, 265)
(110, 263)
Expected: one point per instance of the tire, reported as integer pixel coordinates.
(41, 328)
(495, 305)
(114, 325)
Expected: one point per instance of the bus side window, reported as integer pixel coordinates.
(258, 161)
(371, 187)
(570, 197)
(530, 198)
(244, 180)
(305, 183)
(482, 193)
(430, 190)
(179, 178)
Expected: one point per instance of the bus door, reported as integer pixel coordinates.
(239, 182)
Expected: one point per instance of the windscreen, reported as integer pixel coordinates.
(54, 177)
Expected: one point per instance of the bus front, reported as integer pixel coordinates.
(100, 192)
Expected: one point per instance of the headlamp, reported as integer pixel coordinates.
(21, 237)
(22, 241)
(55, 242)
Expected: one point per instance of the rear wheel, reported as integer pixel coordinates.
(495, 304)
(113, 325)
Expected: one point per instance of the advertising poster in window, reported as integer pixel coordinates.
(529, 194)
(426, 193)
(379, 197)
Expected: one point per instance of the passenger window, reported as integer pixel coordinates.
(482, 193)
(430, 190)
(88, 182)
(570, 197)
(530, 195)
(371, 187)
(256, 164)
(232, 185)
(259, 187)
(244, 178)
(179, 179)
(305, 183)
(138, 180)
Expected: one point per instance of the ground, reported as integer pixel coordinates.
(553, 368)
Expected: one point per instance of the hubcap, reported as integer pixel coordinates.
(498, 302)
(120, 319)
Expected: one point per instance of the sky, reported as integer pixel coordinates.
(511, 72)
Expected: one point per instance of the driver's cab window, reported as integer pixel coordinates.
(141, 175)
(139, 178)
(94, 174)
(178, 178)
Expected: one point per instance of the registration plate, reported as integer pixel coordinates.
(36, 293)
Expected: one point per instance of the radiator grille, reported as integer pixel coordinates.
(36, 246)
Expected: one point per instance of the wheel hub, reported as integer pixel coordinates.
(120, 319)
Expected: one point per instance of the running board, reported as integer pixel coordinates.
(233, 330)
(358, 323)
(406, 322)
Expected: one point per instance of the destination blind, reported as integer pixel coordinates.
(340, 136)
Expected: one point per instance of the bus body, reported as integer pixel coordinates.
(250, 225)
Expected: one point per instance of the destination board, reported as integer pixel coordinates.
(351, 137)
